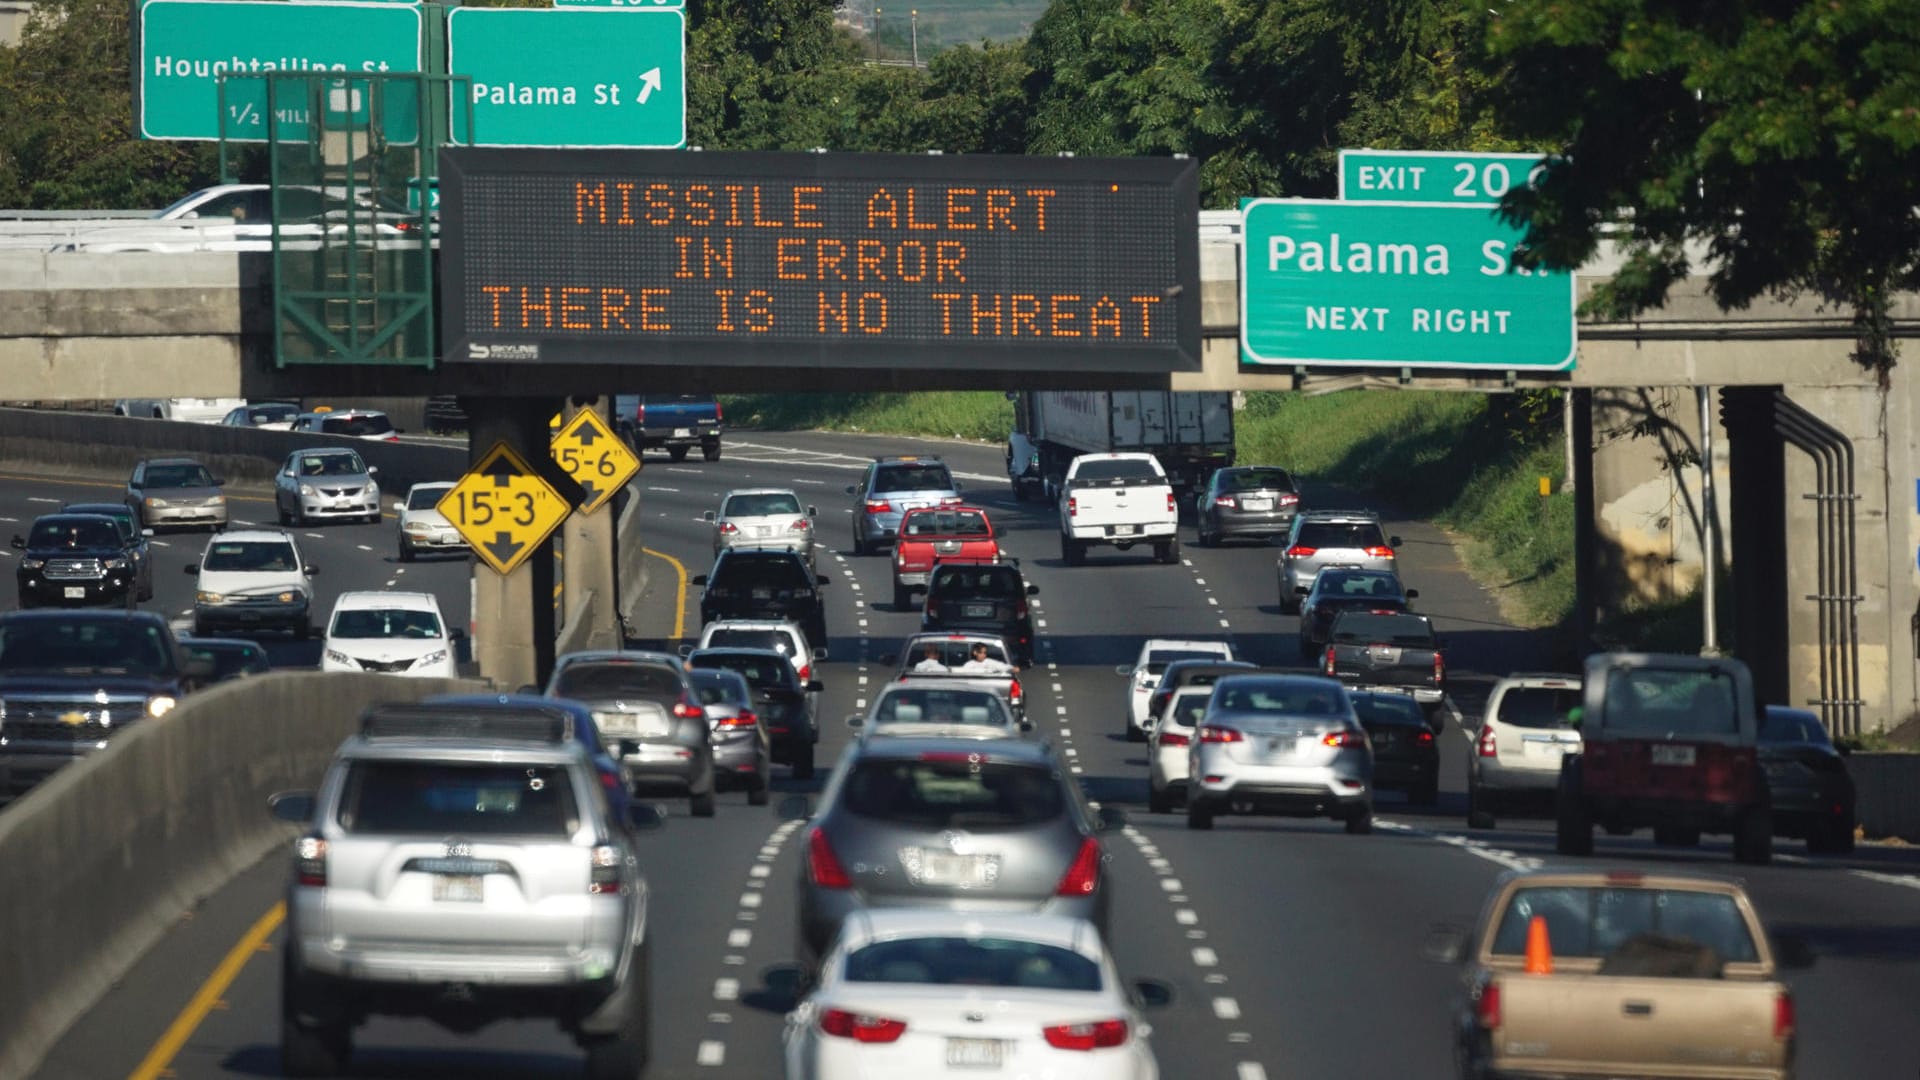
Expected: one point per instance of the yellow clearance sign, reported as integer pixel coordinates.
(503, 508)
(597, 460)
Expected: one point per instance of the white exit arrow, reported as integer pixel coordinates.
(649, 82)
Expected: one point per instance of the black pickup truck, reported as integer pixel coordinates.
(71, 680)
(1392, 650)
(74, 559)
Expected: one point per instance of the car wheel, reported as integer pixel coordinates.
(302, 630)
(902, 597)
(701, 805)
(1159, 800)
(1289, 600)
(309, 1049)
(406, 553)
(1200, 537)
(1427, 794)
(1572, 827)
(1360, 820)
(623, 1055)
(1306, 647)
(677, 453)
(1199, 814)
(1753, 837)
(1134, 734)
(1672, 836)
(1169, 552)
(803, 762)
(859, 542)
(711, 453)
(1072, 552)
(1839, 836)
(1479, 807)
(757, 794)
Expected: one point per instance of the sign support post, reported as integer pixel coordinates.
(588, 542)
(513, 612)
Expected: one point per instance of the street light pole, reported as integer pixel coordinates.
(915, 13)
(876, 33)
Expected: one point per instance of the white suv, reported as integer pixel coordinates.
(400, 633)
(1521, 739)
(1144, 674)
(252, 579)
(783, 636)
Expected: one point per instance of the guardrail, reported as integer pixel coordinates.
(110, 235)
(144, 830)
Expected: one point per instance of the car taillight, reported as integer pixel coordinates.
(1289, 500)
(1486, 1008)
(951, 500)
(310, 861)
(878, 506)
(741, 719)
(728, 527)
(1488, 746)
(605, 877)
(1380, 551)
(1172, 507)
(1073, 506)
(686, 710)
(1439, 668)
(1423, 737)
(823, 866)
(842, 1024)
(1097, 1035)
(1300, 551)
(1344, 740)
(1328, 660)
(610, 781)
(1168, 738)
(1014, 693)
(718, 413)
(640, 412)
(933, 606)
(806, 675)
(1783, 1016)
(1211, 734)
(1084, 875)
(1225, 500)
(800, 525)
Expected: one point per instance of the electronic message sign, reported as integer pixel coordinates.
(991, 263)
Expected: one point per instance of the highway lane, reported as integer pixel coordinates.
(1294, 948)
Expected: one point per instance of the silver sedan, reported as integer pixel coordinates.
(1280, 744)
(763, 518)
(325, 484)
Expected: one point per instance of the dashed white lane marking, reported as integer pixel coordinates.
(363, 547)
(1224, 622)
(750, 900)
(315, 536)
(1199, 581)
(739, 938)
(1512, 860)
(1226, 1008)
(1171, 884)
(398, 570)
(673, 491)
(391, 582)
(670, 468)
(41, 499)
(726, 989)
(1186, 917)
(712, 1052)
(1903, 880)
(1205, 957)
(1250, 1070)
(1214, 602)
(161, 543)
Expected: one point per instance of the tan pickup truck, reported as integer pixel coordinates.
(1621, 974)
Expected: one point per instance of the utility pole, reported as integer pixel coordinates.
(915, 15)
(876, 33)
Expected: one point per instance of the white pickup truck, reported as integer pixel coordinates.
(1119, 499)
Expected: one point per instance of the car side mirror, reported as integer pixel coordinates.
(312, 571)
(1791, 952)
(958, 486)
(1150, 994)
(191, 568)
(709, 517)
(295, 807)
(146, 532)
(1033, 590)
(644, 817)
(1445, 945)
(1124, 670)
(1413, 594)
(698, 579)
(199, 667)
(822, 579)
(855, 720)
(889, 659)
(219, 481)
(851, 490)
(373, 470)
(399, 508)
(19, 542)
(685, 651)
(1843, 749)
(1111, 818)
(795, 808)
(1026, 725)
(1393, 541)
(813, 511)
(816, 686)
(787, 980)
(457, 634)
(1302, 589)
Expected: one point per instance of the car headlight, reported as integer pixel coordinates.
(291, 596)
(417, 528)
(209, 598)
(32, 564)
(160, 705)
(157, 504)
(338, 657)
(307, 490)
(114, 564)
(434, 657)
(217, 500)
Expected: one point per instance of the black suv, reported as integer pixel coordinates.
(991, 598)
(764, 585)
(70, 680)
(72, 559)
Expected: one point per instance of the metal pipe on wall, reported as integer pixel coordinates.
(1709, 529)
(1838, 598)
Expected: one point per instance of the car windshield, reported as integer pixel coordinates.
(758, 571)
(1255, 480)
(1293, 697)
(1329, 534)
(973, 961)
(761, 504)
(458, 800)
(1406, 631)
(385, 623)
(250, 555)
(1792, 726)
(912, 478)
(239, 658)
(347, 464)
(993, 582)
(759, 671)
(357, 424)
(937, 791)
(1187, 709)
(1158, 659)
(678, 399)
(177, 476)
(84, 645)
(1345, 584)
(1663, 702)
(946, 523)
(1388, 709)
(426, 498)
(719, 691)
(914, 705)
(1117, 471)
(1538, 706)
(121, 516)
(598, 682)
(270, 414)
(74, 533)
(1595, 922)
(738, 638)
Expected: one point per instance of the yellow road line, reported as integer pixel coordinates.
(208, 997)
(680, 595)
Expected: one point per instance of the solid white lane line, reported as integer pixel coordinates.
(674, 491)
(41, 499)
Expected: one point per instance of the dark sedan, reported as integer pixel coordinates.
(1337, 590)
(1808, 780)
(1256, 501)
(1406, 757)
(764, 585)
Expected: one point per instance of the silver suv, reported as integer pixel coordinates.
(464, 867)
(1322, 538)
(889, 488)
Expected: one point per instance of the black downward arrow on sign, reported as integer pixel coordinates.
(592, 495)
(504, 547)
(502, 470)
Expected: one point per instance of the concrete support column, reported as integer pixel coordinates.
(513, 613)
(1586, 571)
(588, 555)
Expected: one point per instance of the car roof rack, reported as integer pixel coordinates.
(908, 459)
(515, 723)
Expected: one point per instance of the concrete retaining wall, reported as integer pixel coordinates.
(1888, 786)
(149, 827)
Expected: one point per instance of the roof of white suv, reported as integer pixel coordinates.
(250, 536)
(380, 600)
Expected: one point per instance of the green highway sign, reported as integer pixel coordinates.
(1420, 176)
(1393, 284)
(187, 46)
(671, 5)
(571, 77)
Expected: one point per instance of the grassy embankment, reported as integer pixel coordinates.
(1435, 455)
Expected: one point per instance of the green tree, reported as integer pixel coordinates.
(1779, 136)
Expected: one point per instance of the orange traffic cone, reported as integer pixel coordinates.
(1539, 949)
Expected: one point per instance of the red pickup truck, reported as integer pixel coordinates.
(939, 534)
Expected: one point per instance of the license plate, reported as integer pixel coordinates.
(977, 611)
(75, 592)
(976, 1053)
(762, 530)
(1673, 755)
(1125, 530)
(763, 594)
(946, 868)
(1385, 656)
(651, 725)
(1257, 504)
(459, 888)
(682, 433)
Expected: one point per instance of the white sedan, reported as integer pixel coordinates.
(915, 993)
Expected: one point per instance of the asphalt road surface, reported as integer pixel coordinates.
(1293, 949)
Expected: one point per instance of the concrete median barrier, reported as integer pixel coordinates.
(137, 835)
(631, 562)
(1887, 790)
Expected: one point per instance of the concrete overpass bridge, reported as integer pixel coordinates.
(1797, 473)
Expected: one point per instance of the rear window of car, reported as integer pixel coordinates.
(1158, 659)
(1256, 480)
(230, 661)
(1188, 708)
(1594, 922)
(373, 424)
(912, 478)
(458, 800)
(598, 681)
(1292, 697)
(997, 582)
(1537, 706)
(1116, 471)
(714, 691)
(946, 523)
(973, 961)
(914, 705)
(751, 571)
(778, 640)
(761, 505)
(1662, 702)
(1360, 627)
(409, 623)
(759, 671)
(936, 792)
(177, 476)
(1336, 584)
(1328, 534)
(950, 653)
(1388, 709)
(1791, 726)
